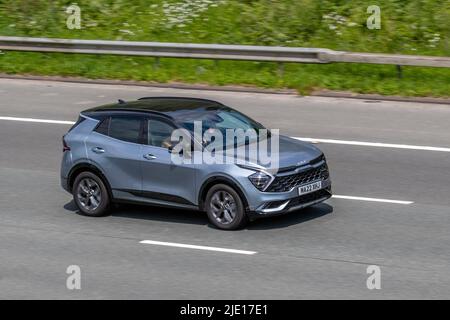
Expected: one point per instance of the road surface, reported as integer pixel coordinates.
(395, 154)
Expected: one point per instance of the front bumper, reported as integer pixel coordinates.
(281, 206)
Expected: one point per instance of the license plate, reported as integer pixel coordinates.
(310, 188)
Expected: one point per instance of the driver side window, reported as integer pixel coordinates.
(159, 133)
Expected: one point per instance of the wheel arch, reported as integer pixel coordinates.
(210, 182)
(83, 167)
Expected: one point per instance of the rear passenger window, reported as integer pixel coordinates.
(103, 127)
(125, 128)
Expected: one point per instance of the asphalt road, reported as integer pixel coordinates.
(319, 253)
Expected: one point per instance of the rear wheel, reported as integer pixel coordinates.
(91, 195)
(225, 208)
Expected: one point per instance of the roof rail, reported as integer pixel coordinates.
(179, 98)
(115, 109)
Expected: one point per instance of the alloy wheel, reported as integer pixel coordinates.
(89, 194)
(223, 207)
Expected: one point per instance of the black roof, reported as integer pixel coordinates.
(161, 105)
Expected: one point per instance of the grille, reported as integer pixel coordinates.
(286, 183)
(308, 198)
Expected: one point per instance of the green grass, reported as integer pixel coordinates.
(408, 27)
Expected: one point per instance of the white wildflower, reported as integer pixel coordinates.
(127, 32)
(185, 11)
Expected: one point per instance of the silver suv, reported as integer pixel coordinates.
(123, 152)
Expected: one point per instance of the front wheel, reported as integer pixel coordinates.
(90, 195)
(225, 208)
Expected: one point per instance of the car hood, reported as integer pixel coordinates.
(291, 153)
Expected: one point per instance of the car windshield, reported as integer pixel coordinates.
(217, 119)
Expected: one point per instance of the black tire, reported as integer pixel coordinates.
(100, 195)
(239, 218)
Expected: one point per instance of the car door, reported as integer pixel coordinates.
(164, 180)
(115, 147)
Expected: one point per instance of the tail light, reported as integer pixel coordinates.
(65, 146)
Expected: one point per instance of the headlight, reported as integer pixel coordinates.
(260, 180)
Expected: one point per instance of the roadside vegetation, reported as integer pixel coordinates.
(407, 27)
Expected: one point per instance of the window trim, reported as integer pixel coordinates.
(79, 121)
(100, 122)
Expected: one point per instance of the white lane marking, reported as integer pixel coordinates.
(374, 144)
(312, 140)
(36, 120)
(189, 246)
(373, 199)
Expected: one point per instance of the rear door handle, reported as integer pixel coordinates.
(149, 156)
(98, 150)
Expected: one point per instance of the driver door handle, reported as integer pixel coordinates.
(98, 150)
(150, 156)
